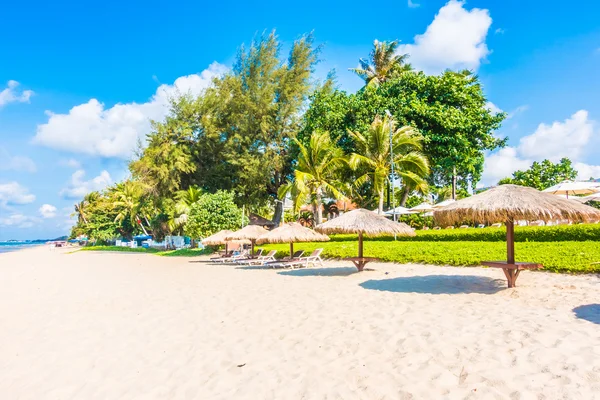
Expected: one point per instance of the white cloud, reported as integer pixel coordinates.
(70, 163)
(502, 164)
(12, 193)
(455, 39)
(19, 221)
(412, 4)
(570, 138)
(494, 108)
(12, 95)
(561, 139)
(517, 111)
(15, 163)
(78, 187)
(587, 171)
(47, 211)
(499, 31)
(114, 132)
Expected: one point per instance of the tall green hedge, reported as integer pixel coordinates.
(560, 233)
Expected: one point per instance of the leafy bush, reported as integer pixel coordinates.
(212, 213)
(560, 233)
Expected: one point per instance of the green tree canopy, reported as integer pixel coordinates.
(542, 175)
(212, 213)
(383, 64)
(449, 110)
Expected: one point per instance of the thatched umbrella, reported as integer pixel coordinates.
(219, 239)
(249, 232)
(423, 207)
(292, 232)
(367, 223)
(509, 203)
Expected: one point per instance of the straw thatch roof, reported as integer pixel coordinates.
(513, 202)
(216, 239)
(366, 222)
(250, 232)
(291, 232)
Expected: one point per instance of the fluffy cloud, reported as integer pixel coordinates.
(455, 39)
(79, 187)
(561, 139)
(12, 95)
(13, 193)
(47, 211)
(413, 4)
(569, 138)
(494, 108)
(70, 163)
(114, 132)
(15, 163)
(19, 221)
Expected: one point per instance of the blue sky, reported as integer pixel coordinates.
(78, 83)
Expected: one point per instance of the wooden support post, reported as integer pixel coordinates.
(360, 265)
(510, 252)
(252, 247)
(291, 250)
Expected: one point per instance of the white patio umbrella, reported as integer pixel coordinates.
(444, 203)
(585, 199)
(573, 188)
(423, 207)
(399, 211)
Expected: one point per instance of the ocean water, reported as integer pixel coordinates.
(5, 247)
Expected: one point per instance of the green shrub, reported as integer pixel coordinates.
(560, 233)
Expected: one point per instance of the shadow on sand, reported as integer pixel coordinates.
(589, 312)
(437, 284)
(320, 272)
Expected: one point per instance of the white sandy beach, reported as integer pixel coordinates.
(133, 326)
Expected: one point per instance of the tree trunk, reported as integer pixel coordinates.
(278, 215)
(389, 191)
(405, 193)
(318, 212)
(381, 197)
(453, 183)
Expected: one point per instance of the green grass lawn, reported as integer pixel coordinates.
(565, 256)
(570, 257)
(164, 253)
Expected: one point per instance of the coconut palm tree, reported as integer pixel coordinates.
(383, 63)
(185, 199)
(316, 175)
(128, 201)
(372, 157)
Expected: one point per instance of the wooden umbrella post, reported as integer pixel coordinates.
(252, 247)
(360, 244)
(511, 274)
(226, 248)
(291, 250)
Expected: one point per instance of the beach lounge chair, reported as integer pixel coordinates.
(261, 260)
(246, 260)
(286, 260)
(313, 259)
(242, 255)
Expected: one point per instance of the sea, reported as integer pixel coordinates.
(5, 247)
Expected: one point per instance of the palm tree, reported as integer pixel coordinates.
(127, 202)
(80, 208)
(373, 157)
(185, 199)
(316, 174)
(383, 63)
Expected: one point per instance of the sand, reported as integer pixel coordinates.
(135, 326)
